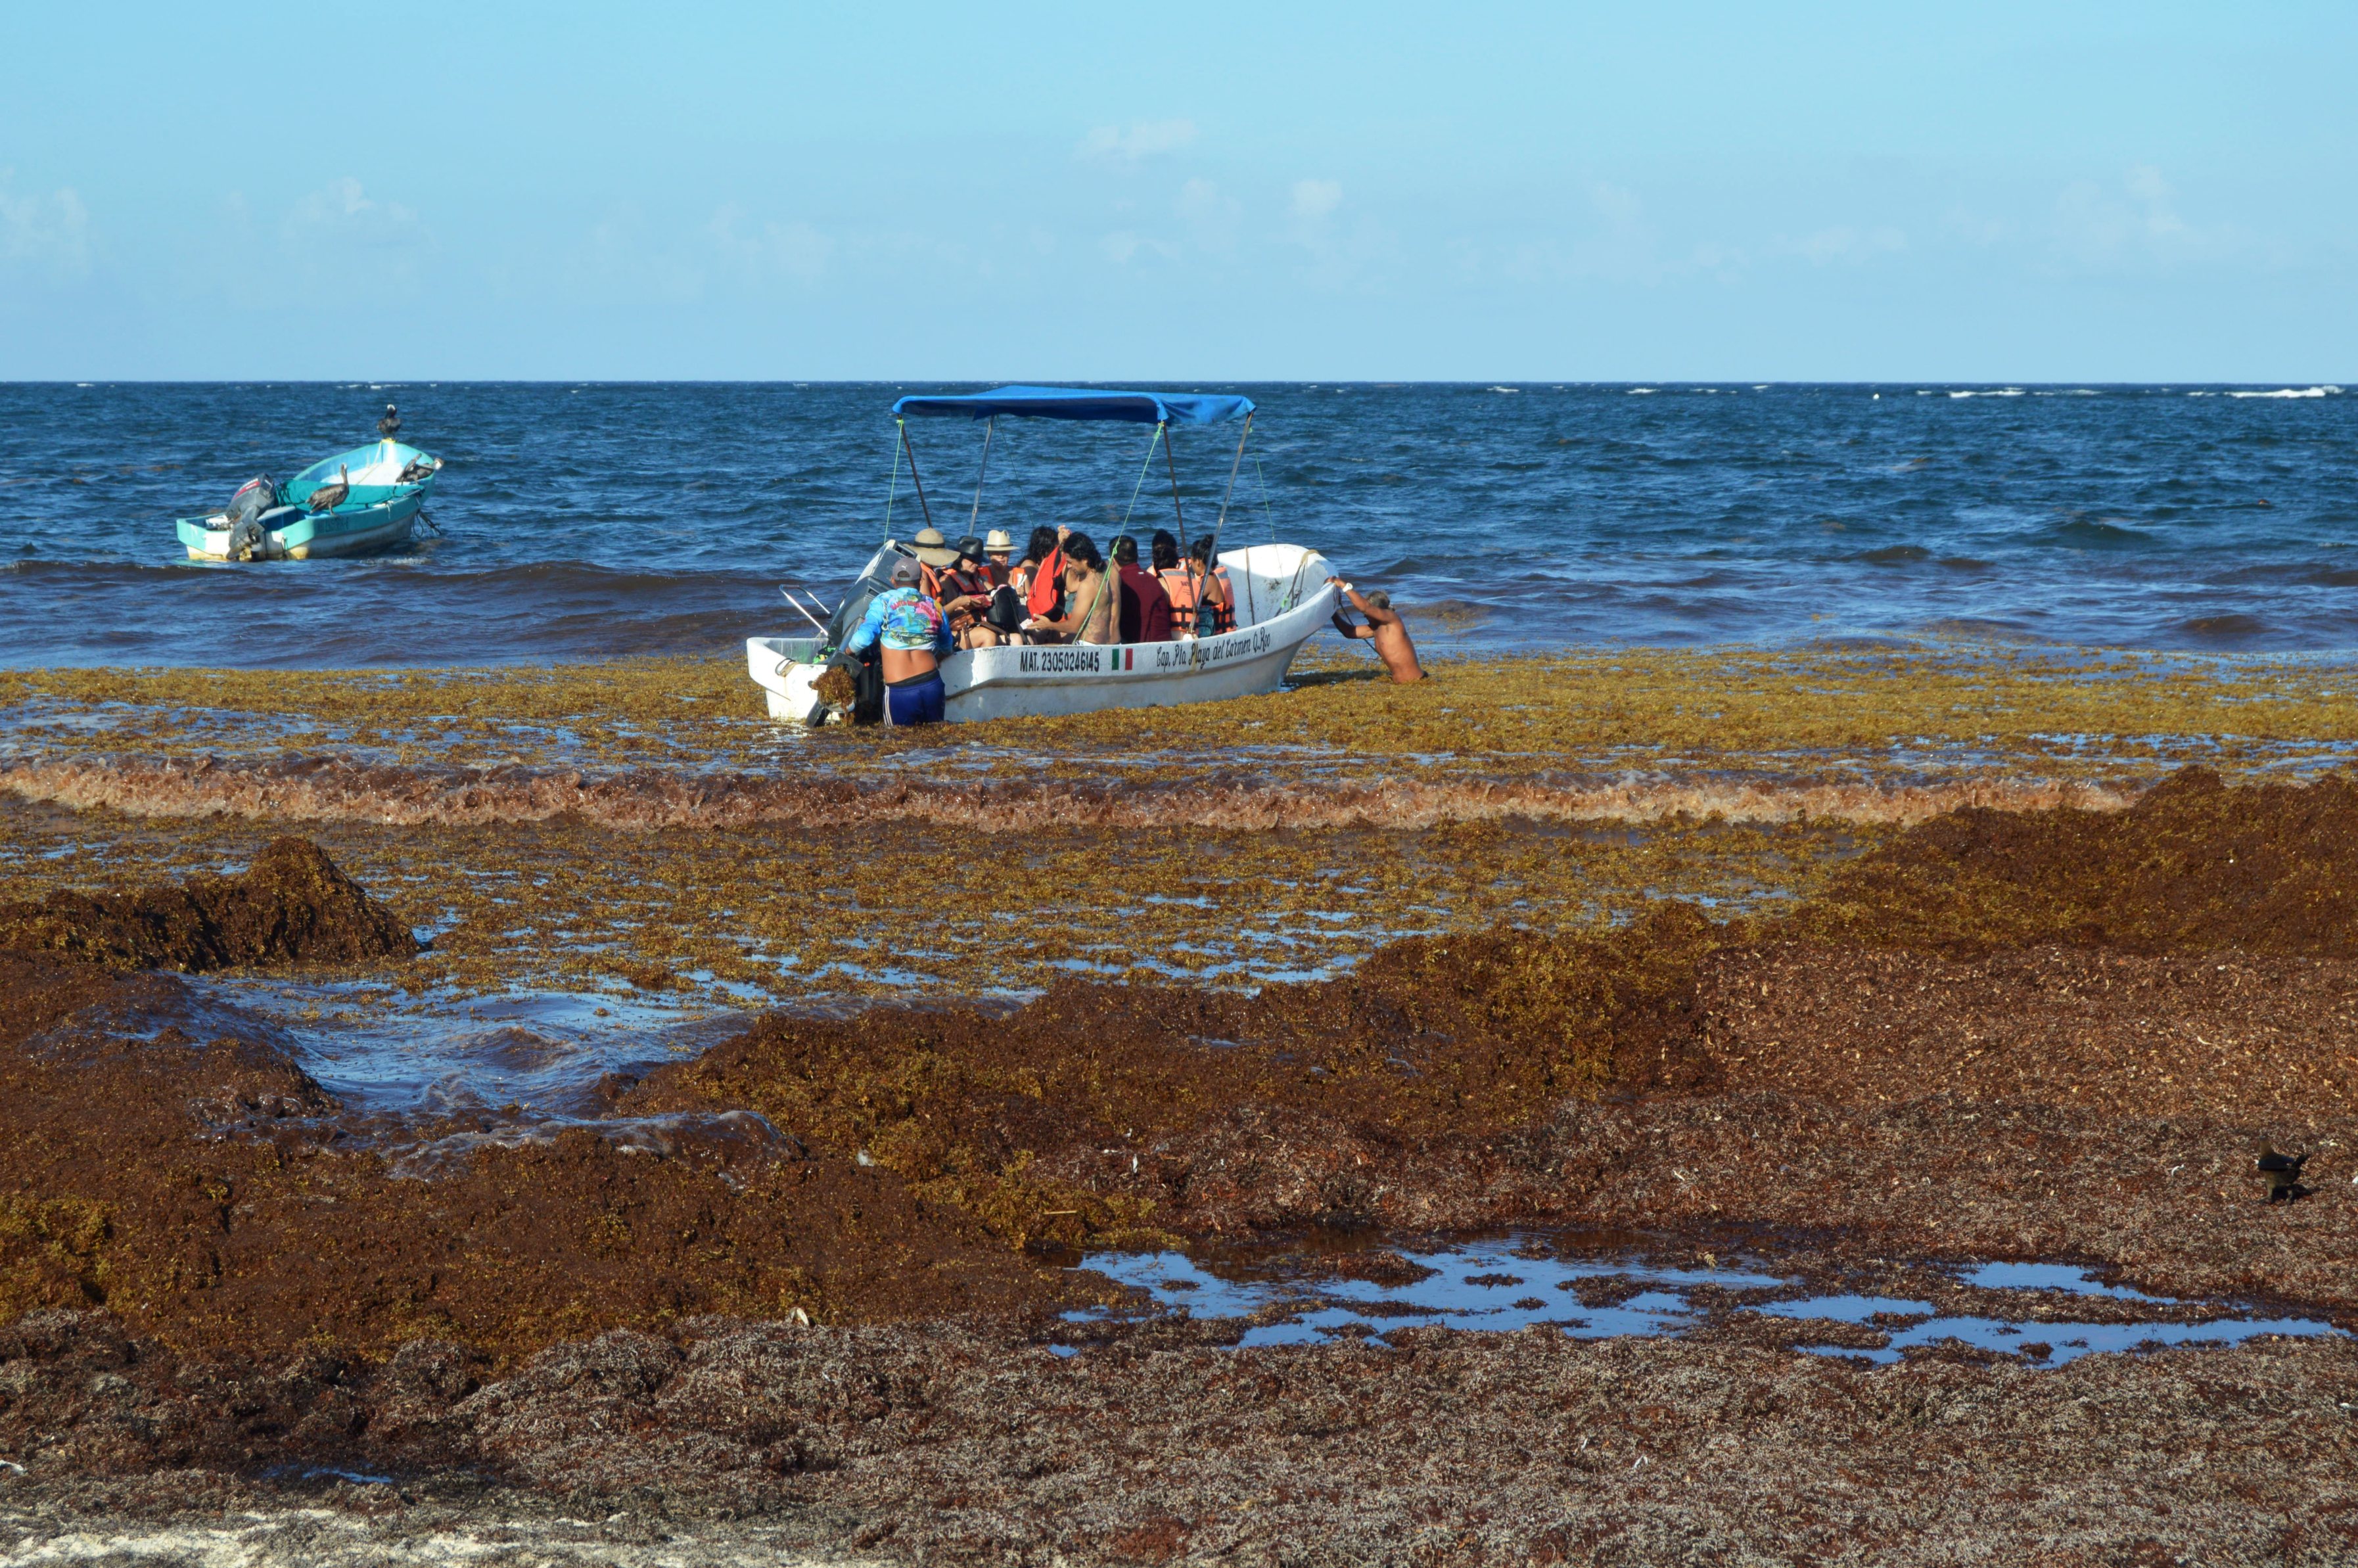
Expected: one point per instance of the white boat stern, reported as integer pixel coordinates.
(786, 671)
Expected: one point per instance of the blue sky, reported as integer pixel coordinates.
(1212, 193)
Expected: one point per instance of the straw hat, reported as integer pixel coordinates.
(933, 549)
(997, 540)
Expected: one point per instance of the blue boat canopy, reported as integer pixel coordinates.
(1086, 403)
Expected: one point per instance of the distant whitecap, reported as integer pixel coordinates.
(2292, 392)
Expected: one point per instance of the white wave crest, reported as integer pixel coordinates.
(2291, 392)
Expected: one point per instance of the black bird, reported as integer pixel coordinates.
(330, 496)
(2282, 1173)
(390, 426)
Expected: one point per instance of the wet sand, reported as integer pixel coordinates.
(801, 1291)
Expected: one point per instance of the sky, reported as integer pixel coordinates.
(1213, 194)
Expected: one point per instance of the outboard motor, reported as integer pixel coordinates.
(254, 498)
(254, 512)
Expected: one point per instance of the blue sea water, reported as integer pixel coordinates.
(582, 521)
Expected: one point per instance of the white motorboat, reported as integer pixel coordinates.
(1282, 597)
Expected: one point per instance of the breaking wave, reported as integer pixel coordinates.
(339, 791)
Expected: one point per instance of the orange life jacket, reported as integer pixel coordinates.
(1220, 617)
(1179, 586)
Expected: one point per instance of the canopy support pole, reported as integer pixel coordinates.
(989, 427)
(1171, 464)
(1212, 557)
(913, 472)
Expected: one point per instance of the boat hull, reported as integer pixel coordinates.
(1287, 583)
(378, 512)
(345, 532)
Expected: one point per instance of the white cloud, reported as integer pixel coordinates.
(1844, 244)
(51, 231)
(1342, 255)
(1116, 148)
(341, 211)
(1123, 245)
(2136, 223)
(795, 251)
(1211, 217)
(1315, 199)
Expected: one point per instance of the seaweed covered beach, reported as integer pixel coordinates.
(1624, 1107)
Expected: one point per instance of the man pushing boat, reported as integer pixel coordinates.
(1385, 629)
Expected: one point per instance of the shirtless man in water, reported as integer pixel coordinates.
(1384, 628)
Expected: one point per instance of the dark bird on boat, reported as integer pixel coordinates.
(390, 426)
(2282, 1173)
(330, 496)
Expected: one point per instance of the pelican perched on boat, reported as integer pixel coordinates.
(328, 497)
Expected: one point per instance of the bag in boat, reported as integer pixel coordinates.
(1006, 613)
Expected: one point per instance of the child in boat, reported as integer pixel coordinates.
(1385, 629)
(915, 635)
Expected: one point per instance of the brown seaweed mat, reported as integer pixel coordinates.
(810, 1275)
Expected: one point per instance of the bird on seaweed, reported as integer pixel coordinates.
(329, 496)
(390, 426)
(2282, 1173)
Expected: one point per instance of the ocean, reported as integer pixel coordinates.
(587, 521)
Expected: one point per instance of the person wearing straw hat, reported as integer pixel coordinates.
(999, 551)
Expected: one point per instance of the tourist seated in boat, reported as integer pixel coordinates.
(915, 636)
(1145, 608)
(1215, 608)
(1385, 629)
(1092, 615)
(999, 557)
(1039, 577)
(963, 589)
(1178, 579)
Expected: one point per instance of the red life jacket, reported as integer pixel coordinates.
(1047, 584)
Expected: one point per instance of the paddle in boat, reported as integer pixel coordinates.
(1282, 597)
(367, 499)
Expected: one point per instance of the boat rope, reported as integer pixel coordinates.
(1140, 485)
(899, 435)
(990, 425)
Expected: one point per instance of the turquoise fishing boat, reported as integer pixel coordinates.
(354, 502)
